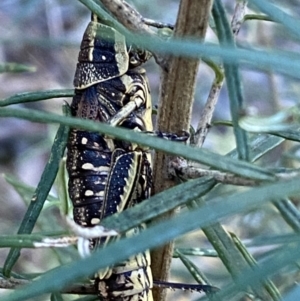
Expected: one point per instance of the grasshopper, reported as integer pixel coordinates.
(106, 175)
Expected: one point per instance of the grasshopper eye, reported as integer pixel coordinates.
(138, 56)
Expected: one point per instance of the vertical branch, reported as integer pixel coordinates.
(207, 114)
(174, 114)
(209, 108)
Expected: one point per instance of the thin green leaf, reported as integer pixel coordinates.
(279, 121)
(47, 43)
(40, 194)
(291, 134)
(250, 17)
(281, 61)
(198, 155)
(15, 68)
(223, 244)
(219, 73)
(24, 190)
(226, 249)
(259, 145)
(232, 78)
(25, 240)
(163, 202)
(15, 275)
(268, 284)
(36, 96)
(62, 187)
(89, 298)
(284, 62)
(196, 252)
(259, 125)
(281, 258)
(282, 124)
(193, 269)
(278, 15)
(216, 209)
(290, 213)
(272, 240)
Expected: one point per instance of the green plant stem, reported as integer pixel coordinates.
(238, 167)
(267, 284)
(232, 78)
(218, 208)
(40, 194)
(36, 96)
(15, 68)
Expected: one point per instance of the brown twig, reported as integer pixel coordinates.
(238, 16)
(128, 16)
(207, 114)
(180, 168)
(176, 99)
(131, 19)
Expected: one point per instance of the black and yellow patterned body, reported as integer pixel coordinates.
(107, 176)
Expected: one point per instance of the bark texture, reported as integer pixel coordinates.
(174, 114)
